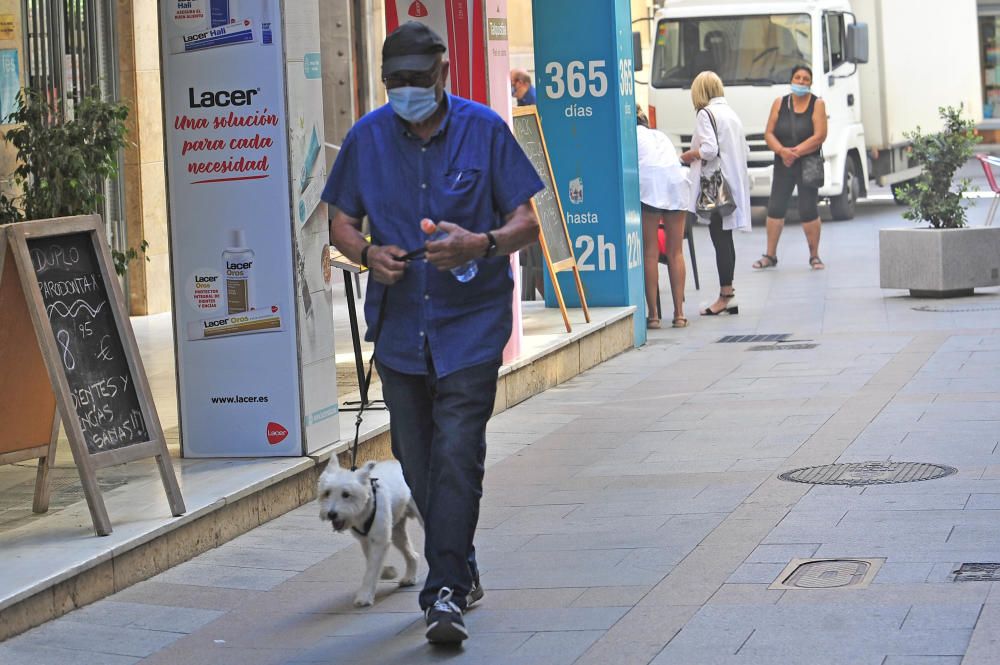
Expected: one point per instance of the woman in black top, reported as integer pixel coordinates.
(796, 128)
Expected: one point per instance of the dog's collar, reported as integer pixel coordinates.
(371, 518)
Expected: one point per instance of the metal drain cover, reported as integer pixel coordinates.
(744, 339)
(868, 473)
(971, 308)
(827, 574)
(978, 572)
(783, 347)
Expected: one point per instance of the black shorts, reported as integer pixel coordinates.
(657, 211)
(785, 180)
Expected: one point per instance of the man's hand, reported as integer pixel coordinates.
(385, 267)
(689, 156)
(458, 248)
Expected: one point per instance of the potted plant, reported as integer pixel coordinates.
(946, 258)
(62, 163)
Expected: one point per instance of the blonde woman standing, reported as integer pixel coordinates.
(719, 142)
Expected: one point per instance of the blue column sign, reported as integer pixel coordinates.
(586, 99)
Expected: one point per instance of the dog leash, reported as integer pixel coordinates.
(368, 380)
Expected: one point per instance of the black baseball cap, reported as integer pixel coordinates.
(411, 47)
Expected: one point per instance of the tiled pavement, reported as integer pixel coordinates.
(634, 514)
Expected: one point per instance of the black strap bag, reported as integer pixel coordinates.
(811, 164)
(716, 196)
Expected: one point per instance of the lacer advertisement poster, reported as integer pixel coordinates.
(231, 245)
(307, 175)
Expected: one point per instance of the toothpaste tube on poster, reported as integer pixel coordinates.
(240, 32)
(312, 152)
(254, 321)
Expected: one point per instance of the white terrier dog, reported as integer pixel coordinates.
(374, 502)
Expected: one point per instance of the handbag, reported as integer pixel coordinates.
(811, 164)
(716, 196)
(661, 242)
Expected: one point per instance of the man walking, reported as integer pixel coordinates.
(431, 155)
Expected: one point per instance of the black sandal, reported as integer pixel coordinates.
(760, 264)
(816, 263)
(729, 309)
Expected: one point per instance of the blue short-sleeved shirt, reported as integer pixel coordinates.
(473, 173)
(528, 99)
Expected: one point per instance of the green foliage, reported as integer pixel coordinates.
(122, 259)
(936, 198)
(62, 164)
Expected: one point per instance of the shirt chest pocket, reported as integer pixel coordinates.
(461, 195)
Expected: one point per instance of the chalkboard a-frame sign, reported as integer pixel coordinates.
(76, 359)
(553, 235)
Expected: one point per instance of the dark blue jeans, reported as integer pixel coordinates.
(438, 430)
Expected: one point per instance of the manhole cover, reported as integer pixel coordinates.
(868, 473)
(827, 573)
(971, 308)
(978, 572)
(744, 339)
(783, 347)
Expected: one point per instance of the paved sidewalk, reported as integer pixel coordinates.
(634, 514)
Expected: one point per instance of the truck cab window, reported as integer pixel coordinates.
(742, 50)
(834, 35)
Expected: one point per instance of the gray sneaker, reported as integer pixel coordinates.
(476, 593)
(444, 620)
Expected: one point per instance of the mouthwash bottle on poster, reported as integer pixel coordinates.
(238, 261)
(223, 12)
(265, 22)
(463, 273)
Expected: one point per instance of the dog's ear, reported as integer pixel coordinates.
(365, 470)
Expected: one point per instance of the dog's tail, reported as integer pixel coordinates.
(412, 511)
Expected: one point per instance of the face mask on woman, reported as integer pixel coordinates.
(800, 90)
(413, 104)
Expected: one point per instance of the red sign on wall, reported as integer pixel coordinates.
(462, 24)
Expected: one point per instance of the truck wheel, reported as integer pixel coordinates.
(842, 206)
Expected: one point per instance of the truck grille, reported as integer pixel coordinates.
(760, 154)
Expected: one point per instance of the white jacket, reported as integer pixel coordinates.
(663, 180)
(732, 145)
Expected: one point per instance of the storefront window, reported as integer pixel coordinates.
(989, 31)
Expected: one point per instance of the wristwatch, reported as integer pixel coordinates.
(491, 245)
(364, 256)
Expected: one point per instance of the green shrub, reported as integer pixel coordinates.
(62, 164)
(935, 197)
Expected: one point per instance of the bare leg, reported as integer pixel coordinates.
(650, 257)
(675, 223)
(812, 231)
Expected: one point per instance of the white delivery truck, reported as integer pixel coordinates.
(883, 67)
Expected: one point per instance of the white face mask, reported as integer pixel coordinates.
(800, 90)
(413, 104)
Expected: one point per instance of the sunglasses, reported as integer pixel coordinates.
(412, 79)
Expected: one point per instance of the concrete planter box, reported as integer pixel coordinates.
(939, 263)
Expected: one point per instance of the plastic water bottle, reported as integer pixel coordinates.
(463, 273)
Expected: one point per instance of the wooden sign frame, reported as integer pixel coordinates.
(565, 264)
(17, 237)
(31, 420)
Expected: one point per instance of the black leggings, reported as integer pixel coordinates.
(785, 180)
(725, 250)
